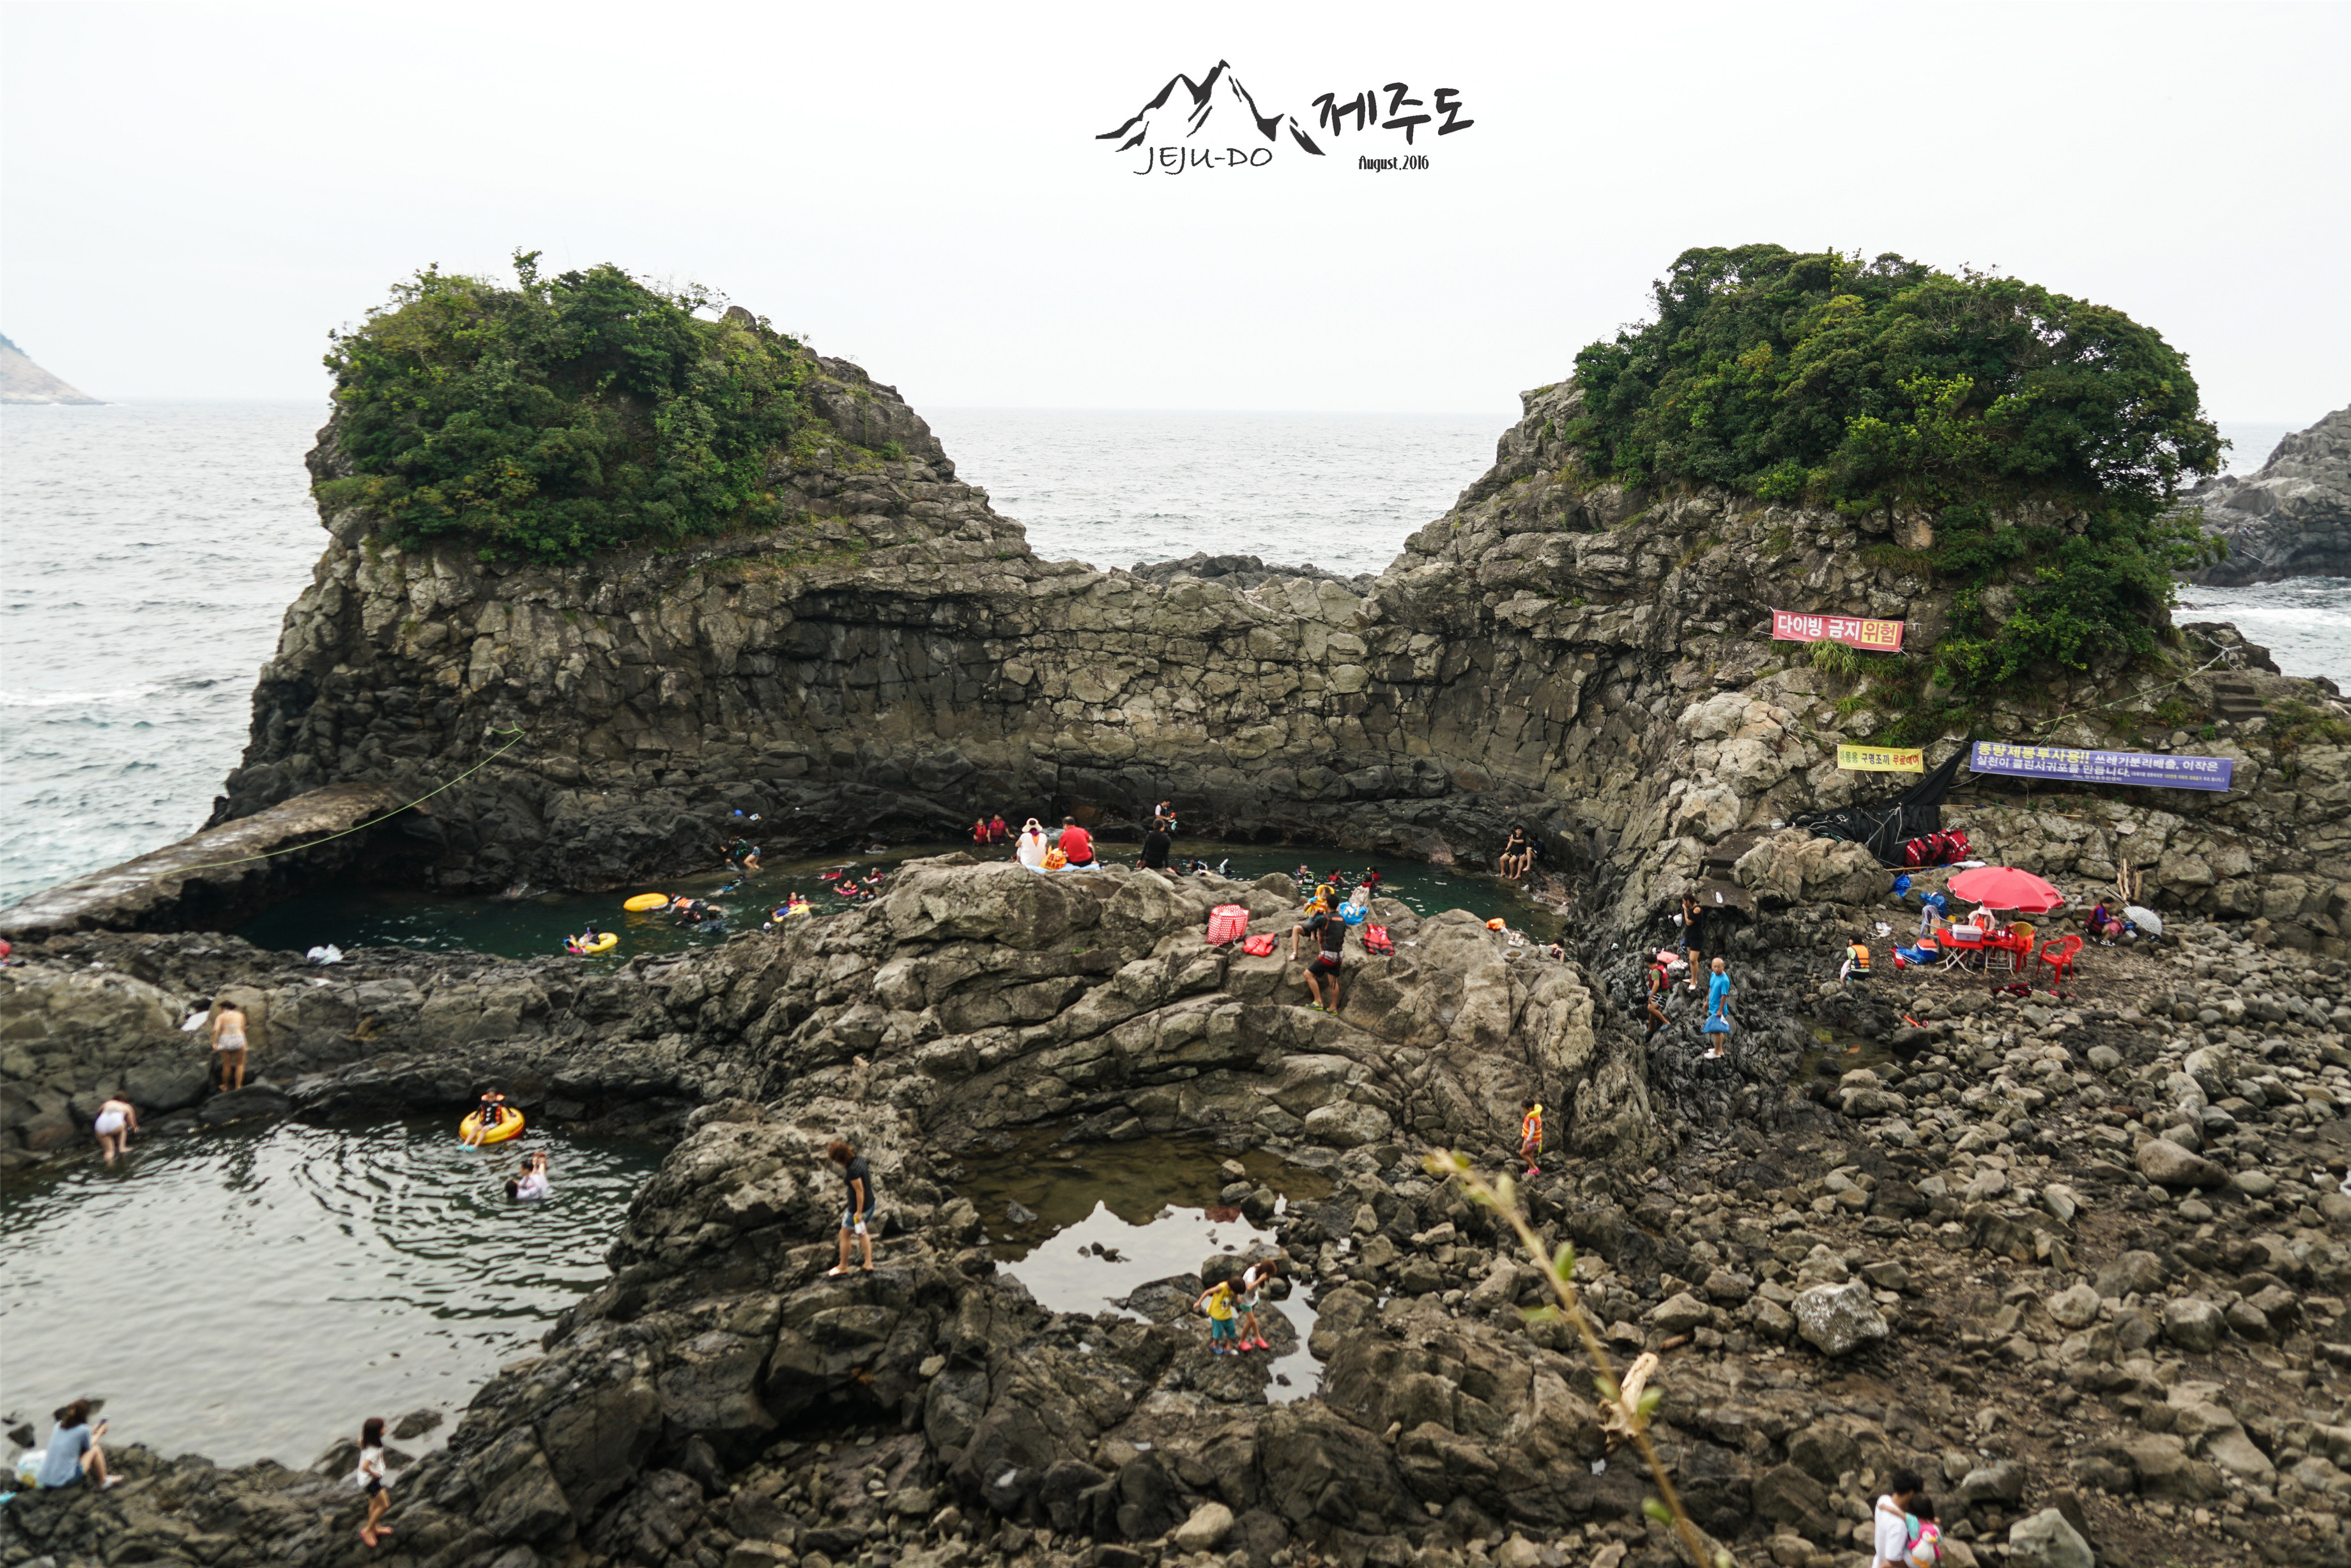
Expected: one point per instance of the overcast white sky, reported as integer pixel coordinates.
(195, 193)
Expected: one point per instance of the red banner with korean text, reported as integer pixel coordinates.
(1853, 631)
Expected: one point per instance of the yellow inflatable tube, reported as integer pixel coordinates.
(510, 1127)
(604, 943)
(645, 901)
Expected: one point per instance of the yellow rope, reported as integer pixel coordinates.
(396, 811)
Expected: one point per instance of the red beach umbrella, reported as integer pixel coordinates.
(2005, 888)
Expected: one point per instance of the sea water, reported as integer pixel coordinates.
(150, 551)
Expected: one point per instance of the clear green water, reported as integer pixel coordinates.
(536, 926)
(1153, 1206)
(258, 1295)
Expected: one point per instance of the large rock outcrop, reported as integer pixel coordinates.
(2292, 518)
(1587, 659)
(23, 382)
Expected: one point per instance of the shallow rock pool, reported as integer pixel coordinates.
(257, 1295)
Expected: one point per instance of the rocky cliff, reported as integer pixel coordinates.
(2293, 517)
(23, 382)
(895, 659)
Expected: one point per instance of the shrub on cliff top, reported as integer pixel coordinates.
(1886, 384)
(559, 417)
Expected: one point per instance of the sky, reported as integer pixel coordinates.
(193, 195)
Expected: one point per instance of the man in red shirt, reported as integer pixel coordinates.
(1077, 845)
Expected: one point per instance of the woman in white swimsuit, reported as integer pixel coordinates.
(116, 1122)
(228, 1045)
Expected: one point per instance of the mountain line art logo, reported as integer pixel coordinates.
(1216, 123)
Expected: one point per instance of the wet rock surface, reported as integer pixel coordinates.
(2057, 1331)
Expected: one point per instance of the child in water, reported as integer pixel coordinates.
(530, 1183)
(486, 1117)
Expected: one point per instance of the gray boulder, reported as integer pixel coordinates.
(2166, 1164)
(1837, 1320)
(2192, 1323)
(2046, 1541)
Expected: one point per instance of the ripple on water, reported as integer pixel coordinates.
(257, 1295)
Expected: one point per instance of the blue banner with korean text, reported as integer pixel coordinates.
(2065, 763)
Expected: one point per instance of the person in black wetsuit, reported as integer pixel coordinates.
(1157, 845)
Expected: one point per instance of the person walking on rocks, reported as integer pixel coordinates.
(1531, 1136)
(116, 1122)
(1661, 981)
(1253, 1280)
(229, 1029)
(1891, 1530)
(1223, 1314)
(371, 1478)
(1692, 912)
(858, 1175)
(1329, 928)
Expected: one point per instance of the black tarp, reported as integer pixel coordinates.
(1883, 827)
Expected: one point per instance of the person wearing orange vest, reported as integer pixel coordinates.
(1530, 1135)
(1857, 960)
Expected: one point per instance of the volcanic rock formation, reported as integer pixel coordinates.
(2291, 518)
(1592, 661)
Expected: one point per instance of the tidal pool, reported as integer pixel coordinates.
(257, 1295)
(536, 924)
(1083, 1226)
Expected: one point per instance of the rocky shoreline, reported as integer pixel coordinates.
(2083, 1257)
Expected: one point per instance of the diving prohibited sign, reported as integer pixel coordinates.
(1853, 631)
(1881, 758)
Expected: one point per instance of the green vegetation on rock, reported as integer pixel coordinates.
(561, 417)
(2043, 436)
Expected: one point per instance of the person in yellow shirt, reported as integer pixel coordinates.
(1223, 1318)
(1530, 1135)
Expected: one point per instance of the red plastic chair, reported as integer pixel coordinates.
(2058, 954)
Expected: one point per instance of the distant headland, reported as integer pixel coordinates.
(22, 380)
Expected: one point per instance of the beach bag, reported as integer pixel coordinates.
(1376, 940)
(1718, 1024)
(1227, 923)
(1352, 913)
(1259, 946)
(1055, 860)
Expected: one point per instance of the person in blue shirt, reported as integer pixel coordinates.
(1717, 990)
(73, 1451)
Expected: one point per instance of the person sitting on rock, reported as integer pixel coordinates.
(1856, 961)
(1519, 854)
(1077, 845)
(1031, 850)
(2104, 926)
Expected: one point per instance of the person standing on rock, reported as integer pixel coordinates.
(858, 1175)
(1077, 845)
(1891, 1529)
(1531, 1136)
(369, 1478)
(116, 1122)
(229, 1029)
(1691, 914)
(1329, 929)
(1717, 996)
